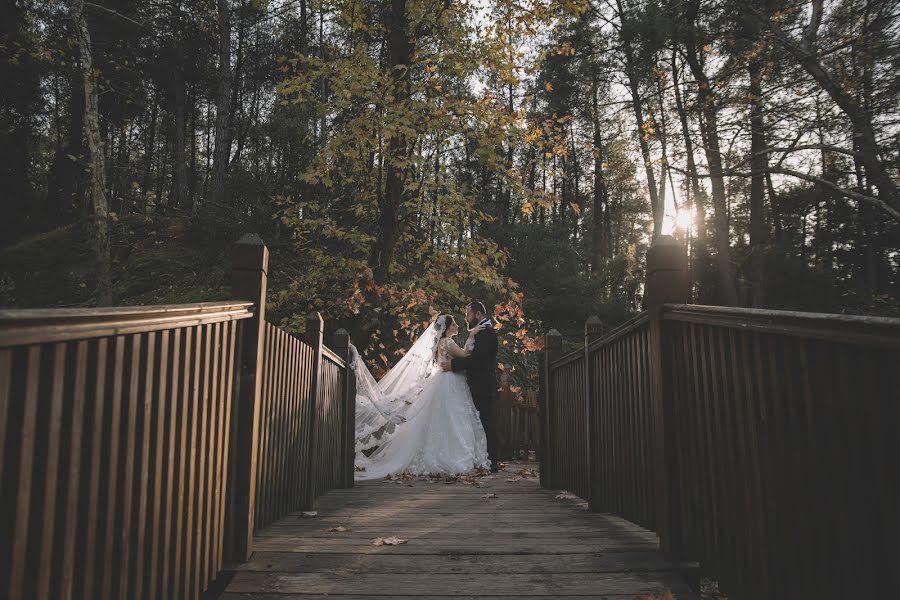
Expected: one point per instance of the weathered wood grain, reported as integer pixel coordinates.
(526, 542)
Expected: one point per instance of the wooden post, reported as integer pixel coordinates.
(593, 329)
(250, 264)
(348, 445)
(552, 351)
(667, 283)
(504, 419)
(315, 327)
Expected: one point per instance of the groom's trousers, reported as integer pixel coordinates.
(486, 405)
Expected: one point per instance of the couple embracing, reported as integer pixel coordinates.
(435, 411)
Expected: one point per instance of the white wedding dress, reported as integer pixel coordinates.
(418, 418)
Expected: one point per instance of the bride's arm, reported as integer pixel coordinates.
(455, 351)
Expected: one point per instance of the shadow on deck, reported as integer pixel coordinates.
(503, 537)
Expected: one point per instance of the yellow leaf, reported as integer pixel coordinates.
(548, 86)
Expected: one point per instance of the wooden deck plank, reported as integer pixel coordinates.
(525, 542)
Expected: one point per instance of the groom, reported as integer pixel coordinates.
(481, 372)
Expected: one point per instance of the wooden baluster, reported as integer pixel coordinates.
(315, 327)
(552, 351)
(248, 277)
(348, 425)
(667, 283)
(593, 328)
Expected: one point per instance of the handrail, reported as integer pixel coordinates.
(880, 331)
(34, 326)
(625, 328)
(330, 355)
(567, 358)
(608, 338)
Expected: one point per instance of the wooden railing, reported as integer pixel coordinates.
(755, 442)
(130, 450)
(518, 423)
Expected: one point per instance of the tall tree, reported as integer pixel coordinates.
(223, 104)
(99, 200)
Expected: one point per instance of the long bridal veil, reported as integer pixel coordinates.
(382, 405)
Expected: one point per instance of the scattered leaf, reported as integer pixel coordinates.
(567, 496)
(308, 514)
(388, 541)
(338, 529)
(489, 496)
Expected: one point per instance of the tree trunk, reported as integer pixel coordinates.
(99, 201)
(223, 110)
(658, 211)
(758, 162)
(70, 176)
(180, 194)
(707, 100)
(697, 193)
(630, 72)
(600, 192)
(399, 55)
(192, 142)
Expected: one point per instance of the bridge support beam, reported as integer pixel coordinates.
(667, 283)
(552, 351)
(250, 265)
(348, 446)
(315, 329)
(593, 330)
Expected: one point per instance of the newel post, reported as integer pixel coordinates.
(552, 351)
(593, 330)
(250, 264)
(315, 328)
(348, 442)
(667, 283)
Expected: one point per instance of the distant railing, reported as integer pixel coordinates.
(755, 442)
(130, 445)
(518, 423)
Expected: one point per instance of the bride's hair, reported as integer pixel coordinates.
(442, 325)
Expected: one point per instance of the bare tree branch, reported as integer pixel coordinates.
(874, 201)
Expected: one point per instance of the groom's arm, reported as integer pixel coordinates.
(481, 353)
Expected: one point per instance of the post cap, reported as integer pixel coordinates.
(667, 273)
(666, 254)
(593, 325)
(250, 253)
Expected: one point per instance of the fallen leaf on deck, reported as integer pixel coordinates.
(567, 496)
(339, 529)
(309, 514)
(514, 479)
(388, 541)
(489, 496)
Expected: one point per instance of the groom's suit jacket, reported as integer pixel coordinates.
(481, 368)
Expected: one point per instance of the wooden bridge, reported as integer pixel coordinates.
(181, 451)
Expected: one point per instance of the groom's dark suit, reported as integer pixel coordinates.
(481, 372)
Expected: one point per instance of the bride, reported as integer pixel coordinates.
(419, 419)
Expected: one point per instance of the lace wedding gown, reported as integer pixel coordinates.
(440, 431)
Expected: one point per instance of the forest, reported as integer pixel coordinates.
(401, 157)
